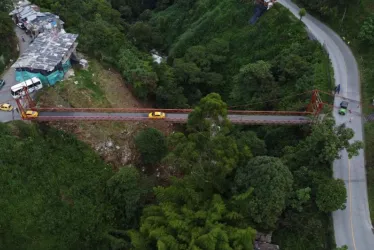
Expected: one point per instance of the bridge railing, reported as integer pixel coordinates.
(185, 111)
(112, 110)
(235, 120)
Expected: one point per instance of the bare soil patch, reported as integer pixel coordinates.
(101, 88)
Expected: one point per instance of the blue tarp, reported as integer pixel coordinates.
(50, 79)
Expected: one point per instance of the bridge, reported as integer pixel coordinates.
(172, 115)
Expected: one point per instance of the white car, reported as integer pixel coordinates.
(21, 26)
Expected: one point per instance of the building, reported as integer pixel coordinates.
(27, 16)
(24, 13)
(44, 22)
(48, 57)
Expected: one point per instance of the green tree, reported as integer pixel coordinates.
(272, 184)
(207, 153)
(254, 83)
(125, 191)
(185, 219)
(169, 94)
(299, 198)
(331, 195)
(151, 144)
(367, 31)
(302, 13)
(323, 145)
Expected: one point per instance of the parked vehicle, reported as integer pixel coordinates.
(343, 108)
(32, 85)
(6, 107)
(21, 26)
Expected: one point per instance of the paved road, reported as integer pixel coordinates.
(172, 117)
(10, 80)
(352, 226)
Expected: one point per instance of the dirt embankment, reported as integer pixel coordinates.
(100, 87)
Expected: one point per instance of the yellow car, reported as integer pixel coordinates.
(6, 107)
(30, 114)
(156, 115)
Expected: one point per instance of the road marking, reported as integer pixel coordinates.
(350, 204)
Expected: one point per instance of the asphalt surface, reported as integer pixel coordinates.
(10, 80)
(172, 117)
(352, 226)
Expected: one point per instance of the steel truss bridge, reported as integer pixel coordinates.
(172, 115)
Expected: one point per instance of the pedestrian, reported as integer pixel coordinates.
(350, 119)
(338, 88)
(23, 39)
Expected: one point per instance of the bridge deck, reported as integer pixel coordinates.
(174, 117)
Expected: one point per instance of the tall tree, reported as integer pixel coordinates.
(254, 83)
(208, 153)
(272, 184)
(125, 191)
(151, 144)
(331, 195)
(323, 145)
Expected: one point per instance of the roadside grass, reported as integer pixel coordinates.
(99, 87)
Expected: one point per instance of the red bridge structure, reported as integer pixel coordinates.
(172, 115)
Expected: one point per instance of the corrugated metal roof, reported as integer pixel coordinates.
(46, 52)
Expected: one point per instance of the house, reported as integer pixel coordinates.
(48, 57)
(24, 14)
(29, 17)
(44, 22)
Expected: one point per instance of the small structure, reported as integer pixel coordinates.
(33, 21)
(263, 242)
(44, 22)
(48, 58)
(25, 13)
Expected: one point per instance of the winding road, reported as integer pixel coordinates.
(353, 225)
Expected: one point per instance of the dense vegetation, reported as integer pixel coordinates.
(57, 194)
(354, 20)
(7, 41)
(210, 47)
(222, 182)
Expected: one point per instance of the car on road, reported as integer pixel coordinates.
(6, 107)
(2, 83)
(30, 114)
(157, 115)
(343, 108)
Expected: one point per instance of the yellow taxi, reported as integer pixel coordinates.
(30, 114)
(157, 115)
(6, 107)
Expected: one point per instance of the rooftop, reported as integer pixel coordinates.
(29, 12)
(45, 20)
(46, 52)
